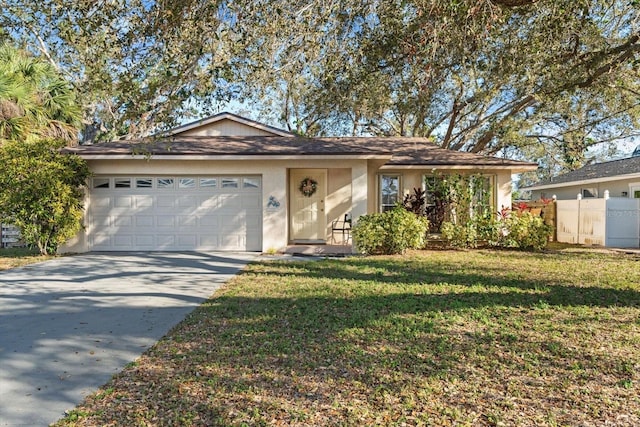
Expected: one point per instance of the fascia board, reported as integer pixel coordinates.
(231, 157)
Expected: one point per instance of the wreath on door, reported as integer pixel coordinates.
(308, 187)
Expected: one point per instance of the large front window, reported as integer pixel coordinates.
(457, 198)
(389, 191)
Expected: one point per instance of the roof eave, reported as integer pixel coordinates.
(512, 168)
(582, 182)
(227, 157)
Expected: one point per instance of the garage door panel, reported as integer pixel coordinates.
(210, 221)
(232, 241)
(253, 222)
(187, 217)
(188, 221)
(165, 221)
(165, 201)
(209, 202)
(123, 221)
(101, 221)
(234, 221)
(188, 202)
(101, 203)
(123, 241)
(253, 242)
(230, 201)
(144, 241)
(100, 241)
(251, 202)
(207, 212)
(144, 201)
(123, 202)
(166, 241)
(187, 241)
(209, 241)
(145, 221)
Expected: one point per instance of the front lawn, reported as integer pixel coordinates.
(432, 338)
(11, 258)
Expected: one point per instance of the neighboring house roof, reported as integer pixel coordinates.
(189, 128)
(400, 152)
(597, 172)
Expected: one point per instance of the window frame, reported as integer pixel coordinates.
(102, 186)
(384, 207)
(229, 182)
(143, 182)
(122, 182)
(248, 181)
(208, 182)
(162, 183)
(187, 182)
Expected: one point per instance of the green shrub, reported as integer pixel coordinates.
(391, 232)
(524, 230)
(459, 235)
(41, 192)
(478, 231)
(514, 230)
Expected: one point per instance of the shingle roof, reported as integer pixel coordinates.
(610, 169)
(401, 150)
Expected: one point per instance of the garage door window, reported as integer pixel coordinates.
(251, 183)
(144, 182)
(208, 182)
(187, 183)
(123, 182)
(100, 182)
(229, 182)
(165, 183)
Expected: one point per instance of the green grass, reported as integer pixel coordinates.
(18, 257)
(430, 338)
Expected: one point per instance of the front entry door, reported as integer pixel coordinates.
(308, 218)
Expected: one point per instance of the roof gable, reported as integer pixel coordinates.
(227, 124)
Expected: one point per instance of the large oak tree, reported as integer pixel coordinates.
(544, 79)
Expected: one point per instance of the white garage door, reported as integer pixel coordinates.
(175, 213)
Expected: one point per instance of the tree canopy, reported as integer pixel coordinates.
(541, 79)
(545, 80)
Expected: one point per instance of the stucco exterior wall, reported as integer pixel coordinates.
(338, 202)
(503, 189)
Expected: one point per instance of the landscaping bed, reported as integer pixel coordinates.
(429, 338)
(11, 258)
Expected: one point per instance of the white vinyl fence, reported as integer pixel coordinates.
(613, 222)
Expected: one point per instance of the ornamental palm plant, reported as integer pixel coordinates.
(35, 101)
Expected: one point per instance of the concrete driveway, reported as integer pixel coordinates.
(68, 325)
